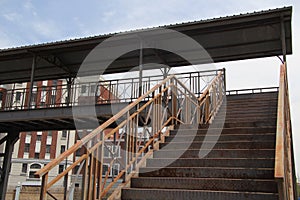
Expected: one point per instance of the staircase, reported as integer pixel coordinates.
(240, 165)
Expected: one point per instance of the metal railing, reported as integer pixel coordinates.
(252, 90)
(100, 92)
(168, 103)
(284, 157)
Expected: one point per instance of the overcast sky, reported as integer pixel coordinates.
(26, 22)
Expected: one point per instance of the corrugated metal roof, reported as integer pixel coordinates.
(236, 37)
(144, 29)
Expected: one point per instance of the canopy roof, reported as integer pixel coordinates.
(237, 37)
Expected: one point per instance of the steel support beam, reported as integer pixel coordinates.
(51, 59)
(141, 68)
(11, 139)
(31, 81)
(283, 42)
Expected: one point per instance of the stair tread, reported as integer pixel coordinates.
(240, 164)
(207, 178)
(197, 190)
(160, 150)
(231, 141)
(209, 168)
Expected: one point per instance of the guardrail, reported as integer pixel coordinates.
(284, 157)
(13, 97)
(168, 103)
(252, 90)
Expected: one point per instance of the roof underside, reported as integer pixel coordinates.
(231, 38)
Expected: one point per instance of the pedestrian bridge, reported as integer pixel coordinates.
(159, 105)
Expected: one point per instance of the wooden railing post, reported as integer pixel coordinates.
(85, 179)
(174, 101)
(43, 193)
(284, 165)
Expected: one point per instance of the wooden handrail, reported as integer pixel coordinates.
(87, 138)
(284, 171)
(279, 156)
(189, 107)
(206, 92)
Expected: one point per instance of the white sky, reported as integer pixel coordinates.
(33, 21)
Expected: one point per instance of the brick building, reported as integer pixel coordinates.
(35, 149)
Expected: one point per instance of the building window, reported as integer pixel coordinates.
(64, 134)
(48, 148)
(115, 169)
(27, 147)
(107, 153)
(53, 99)
(60, 169)
(83, 89)
(109, 149)
(18, 96)
(105, 167)
(37, 155)
(49, 133)
(62, 148)
(38, 138)
(24, 168)
(33, 97)
(93, 89)
(33, 169)
(54, 82)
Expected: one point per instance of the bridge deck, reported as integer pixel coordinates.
(56, 118)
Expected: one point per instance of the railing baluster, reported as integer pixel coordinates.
(85, 179)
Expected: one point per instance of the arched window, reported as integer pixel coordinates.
(34, 167)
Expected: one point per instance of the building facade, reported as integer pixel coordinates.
(34, 150)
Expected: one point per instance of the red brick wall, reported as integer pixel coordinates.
(32, 144)
(53, 144)
(43, 145)
(22, 145)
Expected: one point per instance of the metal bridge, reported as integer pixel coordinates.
(163, 101)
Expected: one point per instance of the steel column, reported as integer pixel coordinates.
(31, 81)
(283, 42)
(141, 68)
(12, 137)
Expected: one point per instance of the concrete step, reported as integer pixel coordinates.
(215, 153)
(223, 137)
(219, 145)
(208, 172)
(168, 194)
(246, 114)
(252, 100)
(202, 129)
(252, 108)
(237, 124)
(217, 184)
(262, 100)
(211, 162)
(245, 119)
(265, 95)
(242, 104)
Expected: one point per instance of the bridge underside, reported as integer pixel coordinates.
(57, 118)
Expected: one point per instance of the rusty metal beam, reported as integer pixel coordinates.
(11, 139)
